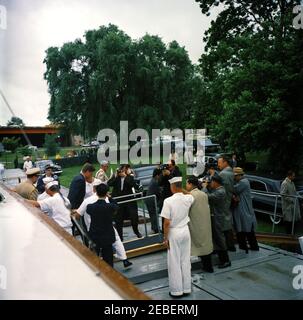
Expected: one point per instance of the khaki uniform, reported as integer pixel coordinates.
(27, 191)
(101, 175)
(200, 225)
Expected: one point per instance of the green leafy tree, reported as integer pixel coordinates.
(50, 145)
(110, 77)
(11, 144)
(252, 75)
(15, 121)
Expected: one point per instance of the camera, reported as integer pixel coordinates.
(120, 169)
(164, 167)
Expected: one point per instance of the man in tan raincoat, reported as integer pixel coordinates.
(200, 225)
(290, 205)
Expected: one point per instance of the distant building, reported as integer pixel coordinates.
(36, 135)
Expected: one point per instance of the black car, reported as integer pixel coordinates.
(143, 175)
(43, 163)
(264, 191)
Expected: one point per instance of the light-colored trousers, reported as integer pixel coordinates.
(178, 261)
(119, 247)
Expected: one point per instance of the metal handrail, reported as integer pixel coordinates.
(141, 199)
(277, 196)
(128, 195)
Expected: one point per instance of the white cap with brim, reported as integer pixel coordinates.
(32, 171)
(52, 183)
(96, 182)
(175, 180)
(47, 180)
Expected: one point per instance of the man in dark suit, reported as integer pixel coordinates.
(101, 228)
(123, 183)
(171, 170)
(154, 189)
(77, 187)
(48, 173)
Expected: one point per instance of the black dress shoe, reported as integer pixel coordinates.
(209, 270)
(244, 248)
(139, 235)
(224, 265)
(127, 263)
(175, 297)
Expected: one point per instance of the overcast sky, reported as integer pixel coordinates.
(35, 25)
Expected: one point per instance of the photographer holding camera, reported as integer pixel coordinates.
(123, 183)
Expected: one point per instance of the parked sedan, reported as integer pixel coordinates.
(43, 163)
(144, 175)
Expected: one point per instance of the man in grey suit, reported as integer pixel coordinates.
(154, 189)
(227, 175)
(217, 198)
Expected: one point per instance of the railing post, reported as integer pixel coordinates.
(301, 243)
(157, 215)
(145, 227)
(275, 213)
(293, 217)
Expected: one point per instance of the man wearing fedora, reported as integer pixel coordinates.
(175, 212)
(244, 216)
(26, 189)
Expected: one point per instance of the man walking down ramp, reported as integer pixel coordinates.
(177, 238)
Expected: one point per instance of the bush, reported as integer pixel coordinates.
(11, 144)
(50, 145)
(25, 151)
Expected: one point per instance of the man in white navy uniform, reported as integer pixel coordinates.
(56, 205)
(81, 211)
(45, 195)
(177, 238)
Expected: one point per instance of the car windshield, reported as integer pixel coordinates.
(144, 172)
(43, 163)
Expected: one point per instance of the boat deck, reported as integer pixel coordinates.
(263, 275)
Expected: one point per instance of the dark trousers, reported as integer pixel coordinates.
(250, 237)
(106, 252)
(229, 238)
(288, 226)
(124, 212)
(218, 234)
(152, 214)
(206, 262)
(219, 240)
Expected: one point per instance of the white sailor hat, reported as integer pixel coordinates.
(175, 180)
(52, 183)
(32, 171)
(96, 182)
(46, 180)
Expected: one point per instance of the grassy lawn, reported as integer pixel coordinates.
(7, 158)
(69, 173)
(265, 225)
